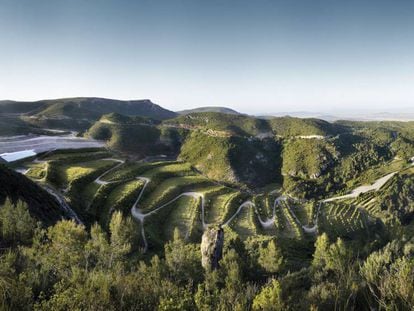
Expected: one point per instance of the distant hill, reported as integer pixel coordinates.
(222, 123)
(17, 107)
(244, 125)
(81, 112)
(290, 126)
(209, 109)
(11, 125)
(86, 107)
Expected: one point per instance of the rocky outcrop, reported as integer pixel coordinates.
(212, 247)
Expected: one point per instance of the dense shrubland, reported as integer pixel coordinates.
(66, 267)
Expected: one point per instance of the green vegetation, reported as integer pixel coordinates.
(344, 220)
(292, 127)
(307, 158)
(393, 203)
(139, 137)
(223, 124)
(16, 224)
(139, 245)
(68, 267)
(233, 159)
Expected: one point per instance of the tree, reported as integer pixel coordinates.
(207, 296)
(15, 294)
(334, 276)
(338, 257)
(232, 296)
(321, 250)
(176, 298)
(269, 298)
(389, 274)
(98, 250)
(270, 257)
(16, 224)
(123, 232)
(82, 291)
(183, 260)
(66, 247)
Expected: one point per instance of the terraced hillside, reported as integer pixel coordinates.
(161, 196)
(313, 156)
(394, 201)
(160, 211)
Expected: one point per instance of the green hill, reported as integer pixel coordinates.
(222, 123)
(289, 126)
(307, 158)
(131, 134)
(233, 159)
(244, 125)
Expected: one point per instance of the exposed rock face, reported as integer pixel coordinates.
(212, 247)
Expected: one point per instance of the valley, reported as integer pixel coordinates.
(193, 155)
(274, 192)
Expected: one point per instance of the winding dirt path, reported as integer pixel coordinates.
(264, 223)
(139, 216)
(99, 180)
(364, 188)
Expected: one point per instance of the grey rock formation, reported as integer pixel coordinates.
(212, 247)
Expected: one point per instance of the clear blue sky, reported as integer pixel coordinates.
(254, 56)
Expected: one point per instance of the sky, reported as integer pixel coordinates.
(254, 56)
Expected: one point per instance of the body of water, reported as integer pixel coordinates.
(20, 147)
(14, 156)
